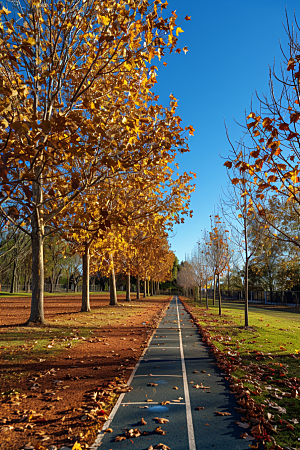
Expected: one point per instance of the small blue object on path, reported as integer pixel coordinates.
(176, 379)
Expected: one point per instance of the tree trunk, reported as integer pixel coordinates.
(246, 294)
(148, 287)
(158, 288)
(68, 281)
(12, 285)
(145, 288)
(138, 287)
(200, 293)
(85, 299)
(151, 288)
(37, 299)
(220, 299)
(128, 299)
(112, 287)
(206, 294)
(214, 297)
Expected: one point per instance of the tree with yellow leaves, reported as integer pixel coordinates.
(72, 79)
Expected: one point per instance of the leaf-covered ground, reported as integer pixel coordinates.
(60, 381)
(262, 366)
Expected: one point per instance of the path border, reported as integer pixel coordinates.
(100, 436)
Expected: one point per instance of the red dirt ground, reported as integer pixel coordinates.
(55, 406)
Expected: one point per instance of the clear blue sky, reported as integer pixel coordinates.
(231, 45)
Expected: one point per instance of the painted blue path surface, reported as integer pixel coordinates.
(176, 358)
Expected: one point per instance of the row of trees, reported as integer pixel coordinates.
(87, 152)
(261, 207)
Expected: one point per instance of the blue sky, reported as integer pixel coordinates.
(231, 45)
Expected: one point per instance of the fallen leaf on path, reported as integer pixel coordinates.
(243, 425)
(165, 402)
(161, 420)
(149, 399)
(162, 447)
(198, 408)
(108, 430)
(120, 438)
(133, 433)
(219, 413)
(175, 387)
(247, 437)
(158, 430)
(152, 384)
(143, 421)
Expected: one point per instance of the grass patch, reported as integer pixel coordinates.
(263, 357)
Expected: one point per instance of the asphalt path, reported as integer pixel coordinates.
(175, 361)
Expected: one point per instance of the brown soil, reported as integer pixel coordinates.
(66, 398)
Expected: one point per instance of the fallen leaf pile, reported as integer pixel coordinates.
(135, 432)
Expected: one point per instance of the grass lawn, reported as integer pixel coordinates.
(262, 359)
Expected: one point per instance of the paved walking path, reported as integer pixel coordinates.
(176, 357)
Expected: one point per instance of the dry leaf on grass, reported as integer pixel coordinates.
(256, 430)
(161, 420)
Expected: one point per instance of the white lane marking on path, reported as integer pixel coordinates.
(160, 347)
(189, 419)
(100, 436)
(157, 376)
(150, 403)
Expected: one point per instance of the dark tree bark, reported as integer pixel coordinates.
(145, 288)
(112, 287)
(128, 298)
(220, 299)
(85, 302)
(214, 297)
(37, 301)
(12, 285)
(138, 287)
(151, 288)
